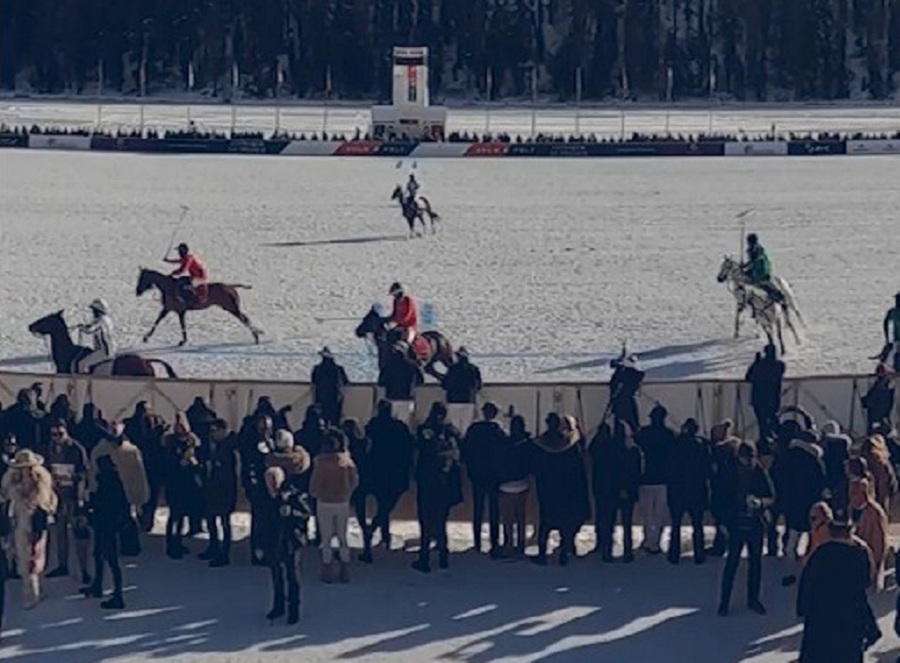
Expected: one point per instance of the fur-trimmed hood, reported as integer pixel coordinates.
(556, 442)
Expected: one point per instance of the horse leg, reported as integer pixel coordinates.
(780, 335)
(246, 322)
(162, 316)
(790, 323)
(183, 329)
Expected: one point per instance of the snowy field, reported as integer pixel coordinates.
(600, 120)
(478, 612)
(541, 267)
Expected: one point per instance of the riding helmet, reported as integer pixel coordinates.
(183, 248)
(100, 306)
(752, 238)
(396, 289)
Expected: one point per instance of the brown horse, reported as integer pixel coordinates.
(439, 348)
(218, 294)
(66, 354)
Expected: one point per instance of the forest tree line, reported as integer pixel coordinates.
(755, 50)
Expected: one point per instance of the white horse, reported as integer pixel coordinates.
(766, 311)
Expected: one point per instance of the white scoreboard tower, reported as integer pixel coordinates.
(409, 115)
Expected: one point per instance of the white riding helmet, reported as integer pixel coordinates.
(100, 306)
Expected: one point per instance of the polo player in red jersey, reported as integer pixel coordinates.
(404, 317)
(192, 276)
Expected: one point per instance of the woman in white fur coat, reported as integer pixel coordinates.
(28, 487)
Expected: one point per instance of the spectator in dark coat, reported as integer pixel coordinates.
(462, 384)
(328, 383)
(311, 433)
(183, 487)
(256, 442)
(656, 441)
(265, 408)
(61, 410)
(688, 488)
(91, 428)
(146, 430)
(724, 460)
(617, 465)
(220, 483)
(109, 512)
(799, 475)
(199, 417)
(835, 452)
(480, 452)
(23, 419)
(623, 387)
(390, 459)
(878, 401)
(557, 463)
(750, 493)
(400, 376)
(360, 448)
(765, 376)
(438, 482)
(284, 526)
(514, 486)
(838, 624)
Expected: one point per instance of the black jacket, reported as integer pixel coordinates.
(689, 472)
(656, 442)
(462, 382)
(329, 380)
(481, 449)
(400, 378)
(390, 455)
(765, 377)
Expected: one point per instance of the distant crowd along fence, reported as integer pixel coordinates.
(418, 150)
(707, 401)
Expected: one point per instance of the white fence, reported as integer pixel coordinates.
(708, 401)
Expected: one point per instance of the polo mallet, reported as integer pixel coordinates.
(184, 210)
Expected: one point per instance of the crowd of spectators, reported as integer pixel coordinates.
(193, 132)
(788, 493)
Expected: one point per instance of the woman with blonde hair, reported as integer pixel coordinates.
(28, 487)
(884, 480)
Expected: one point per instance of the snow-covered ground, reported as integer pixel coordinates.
(479, 611)
(541, 267)
(515, 119)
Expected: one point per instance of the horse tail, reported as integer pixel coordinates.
(434, 215)
(170, 372)
(790, 300)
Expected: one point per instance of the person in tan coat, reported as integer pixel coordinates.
(874, 450)
(129, 463)
(871, 526)
(334, 478)
(28, 487)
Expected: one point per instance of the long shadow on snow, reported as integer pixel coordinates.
(339, 240)
(690, 366)
(481, 611)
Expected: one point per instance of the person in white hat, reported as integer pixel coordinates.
(100, 330)
(28, 487)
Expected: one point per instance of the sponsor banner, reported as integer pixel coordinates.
(312, 148)
(247, 146)
(44, 142)
(874, 146)
(161, 145)
(440, 150)
(756, 148)
(396, 149)
(276, 145)
(486, 149)
(816, 147)
(13, 140)
(357, 148)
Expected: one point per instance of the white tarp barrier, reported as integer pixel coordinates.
(708, 401)
(42, 142)
(756, 148)
(874, 146)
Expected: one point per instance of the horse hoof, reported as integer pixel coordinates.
(146, 339)
(182, 343)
